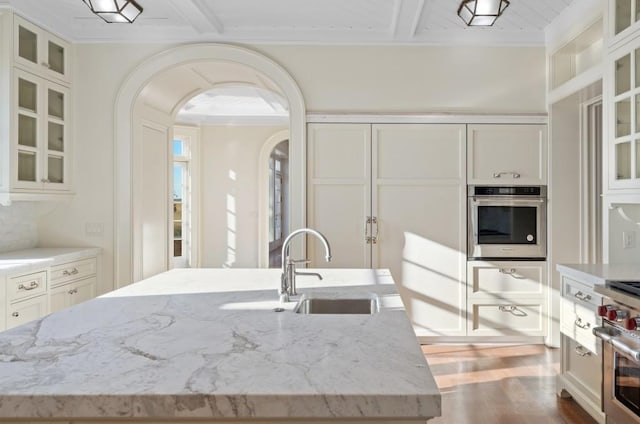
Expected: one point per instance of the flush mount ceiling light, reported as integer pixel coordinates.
(481, 12)
(115, 11)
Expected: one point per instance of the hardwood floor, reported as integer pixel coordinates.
(484, 384)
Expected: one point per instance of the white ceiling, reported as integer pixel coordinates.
(297, 21)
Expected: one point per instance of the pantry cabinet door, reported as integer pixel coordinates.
(419, 201)
(339, 193)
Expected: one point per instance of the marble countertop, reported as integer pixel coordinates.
(598, 274)
(37, 258)
(207, 344)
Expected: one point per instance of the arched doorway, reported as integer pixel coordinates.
(125, 202)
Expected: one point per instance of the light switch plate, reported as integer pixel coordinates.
(94, 229)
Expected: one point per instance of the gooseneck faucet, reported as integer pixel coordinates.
(288, 277)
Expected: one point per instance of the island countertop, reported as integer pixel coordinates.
(206, 344)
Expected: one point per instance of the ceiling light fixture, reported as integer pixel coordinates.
(481, 12)
(115, 11)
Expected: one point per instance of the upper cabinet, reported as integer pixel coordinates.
(35, 100)
(41, 52)
(507, 154)
(622, 97)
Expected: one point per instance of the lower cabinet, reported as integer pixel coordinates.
(506, 298)
(70, 294)
(21, 312)
(581, 359)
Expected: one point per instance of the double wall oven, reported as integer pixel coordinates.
(620, 332)
(507, 222)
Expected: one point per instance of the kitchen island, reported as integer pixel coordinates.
(209, 345)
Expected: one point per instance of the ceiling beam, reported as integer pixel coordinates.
(199, 15)
(406, 18)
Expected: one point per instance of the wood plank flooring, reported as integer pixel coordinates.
(484, 384)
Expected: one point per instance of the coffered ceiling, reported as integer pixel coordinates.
(297, 21)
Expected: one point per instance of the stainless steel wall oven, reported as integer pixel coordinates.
(507, 222)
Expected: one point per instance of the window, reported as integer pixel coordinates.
(181, 202)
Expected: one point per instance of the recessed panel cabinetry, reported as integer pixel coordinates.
(506, 298)
(393, 196)
(37, 104)
(72, 283)
(581, 361)
(26, 298)
(507, 154)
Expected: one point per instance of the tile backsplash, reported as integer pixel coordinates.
(19, 225)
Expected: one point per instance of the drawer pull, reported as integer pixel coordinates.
(510, 272)
(580, 324)
(582, 351)
(73, 291)
(513, 310)
(582, 296)
(67, 273)
(15, 314)
(32, 285)
(500, 174)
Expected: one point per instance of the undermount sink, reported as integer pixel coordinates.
(323, 305)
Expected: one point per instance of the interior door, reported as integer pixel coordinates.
(419, 201)
(339, 193)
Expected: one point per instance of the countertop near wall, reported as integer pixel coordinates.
(34, 259)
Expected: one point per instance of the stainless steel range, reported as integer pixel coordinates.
(620, 332)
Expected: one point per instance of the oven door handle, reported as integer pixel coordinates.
(506, 200)
(617, 343)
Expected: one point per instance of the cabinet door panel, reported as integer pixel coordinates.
(339, 193)
(507, 154)
(27, 310)
(522, 317)
(421, 221)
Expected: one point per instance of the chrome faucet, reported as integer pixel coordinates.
(288, 277)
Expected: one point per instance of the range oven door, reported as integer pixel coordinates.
(621, 380)
(502, 227)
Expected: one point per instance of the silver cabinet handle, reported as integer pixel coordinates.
(374, 221)
(367, 222)
(580, 324)
(32, 285)
(74, 271)
(15, 314)
(582, 351)
(581, 296)
(73, 291)
(513, 310)
(500, 174)
(510, 272)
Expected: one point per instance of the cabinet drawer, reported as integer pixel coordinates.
(522, 317)
(578, 321)
(22, 312)
(510, 278)
(71, 294)
(579, 292)
(585, 367)
(63, 273)
(28, 285)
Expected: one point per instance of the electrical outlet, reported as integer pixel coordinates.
(628, 239)
(94, 229)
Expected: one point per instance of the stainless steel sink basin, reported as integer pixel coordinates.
(322, 305)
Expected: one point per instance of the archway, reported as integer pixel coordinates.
(125, 101)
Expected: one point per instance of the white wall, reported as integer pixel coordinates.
(229, 194)
(332, 78)
(624, 220)
(19, 224)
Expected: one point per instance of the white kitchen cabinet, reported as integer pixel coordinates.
(26, 296)
(72, 283)
(507, 154)
(580, 361)
(19, 313)
(507, 298)
(73, 293)
(35, 101)
(41, 52)
(393, 196)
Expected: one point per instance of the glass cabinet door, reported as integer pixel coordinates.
(56, 130)
(27, 129)
(42, 52)
(626, 113)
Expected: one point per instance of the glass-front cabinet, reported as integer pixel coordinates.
(40, 51)
(41, 128)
